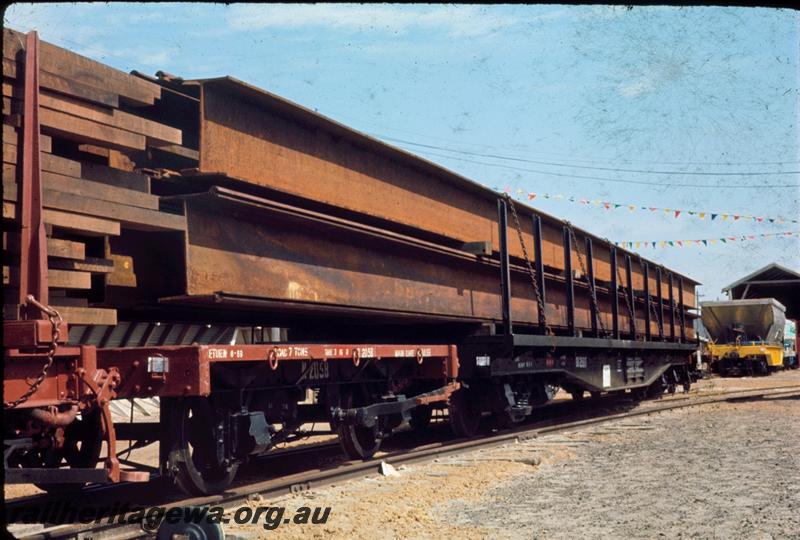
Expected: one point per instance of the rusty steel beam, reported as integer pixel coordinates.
(248, 252)
(266, 141)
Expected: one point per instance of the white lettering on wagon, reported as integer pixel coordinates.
(287, 352)
(411, 353)
(225, 354)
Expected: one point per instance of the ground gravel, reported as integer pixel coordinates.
(727, 471)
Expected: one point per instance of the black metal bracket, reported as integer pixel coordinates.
(505, 270)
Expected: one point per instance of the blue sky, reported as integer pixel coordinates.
(558, 92)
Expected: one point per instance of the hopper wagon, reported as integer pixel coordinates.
(156, 228)
(746, 335)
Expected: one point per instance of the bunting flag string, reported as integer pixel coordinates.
(674, 212)
(703, 242)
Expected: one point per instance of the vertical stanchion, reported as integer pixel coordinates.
(681, 318)
(631, 297)
(646, 270)
(33, 246)
(537, 253)
(671, 308)
(505, 271)
(590, 270)
(614, 293)
(569, 282)
(660, 311)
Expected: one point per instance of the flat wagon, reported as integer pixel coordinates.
(171, 221)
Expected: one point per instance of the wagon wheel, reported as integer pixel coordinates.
(197, 468)
(465, 413)
(358, 442)
(83, 442)
(505, 420)
(656, 389)
(420, 417)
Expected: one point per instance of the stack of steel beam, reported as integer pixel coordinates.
(293, 219)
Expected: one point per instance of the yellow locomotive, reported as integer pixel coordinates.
(746, 335)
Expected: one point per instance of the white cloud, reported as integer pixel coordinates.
(636, 88)
(462, 21)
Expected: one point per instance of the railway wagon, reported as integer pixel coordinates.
(747, 335)
(156, 215)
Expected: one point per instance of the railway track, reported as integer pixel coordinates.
(560, 417)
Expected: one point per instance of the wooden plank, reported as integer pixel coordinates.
(81, 223)
(70, 65)
(50, 162)
(56, 247)
(59, 296)
(55, 278)
(83, 130)
(115, 177)
(93, 265)
(79, 186)
(159, 133)
(133, 217)
(11, 136)
(67, 301)
(9, 210)
(86, 315)
(87, 225)
(181, 151)
(66, 249)
(63, 85)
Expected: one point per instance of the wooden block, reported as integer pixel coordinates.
(115, 177)
(123, 274)
(155, 132)
(90, 264)
(87, 315)
(66, 249)
(50, 162)
(9, 210)
(66, 301)
(118, 160)
(63, 85)
(132, 217)
(181, 151)
(83, 130)
(11, 136)
(55, 278)
(94, 150)
(84, 224)
(56, 247)
(159, 133)
(79, 186)
(79, 68)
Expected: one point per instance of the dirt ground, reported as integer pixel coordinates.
(721, 471)
(463, 496)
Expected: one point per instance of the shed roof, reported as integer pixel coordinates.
(772, 281)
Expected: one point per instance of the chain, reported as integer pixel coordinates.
(650, 306)
(627, 301)
(592, 289)
(55, 320)
(657, 317)
(531, 272)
